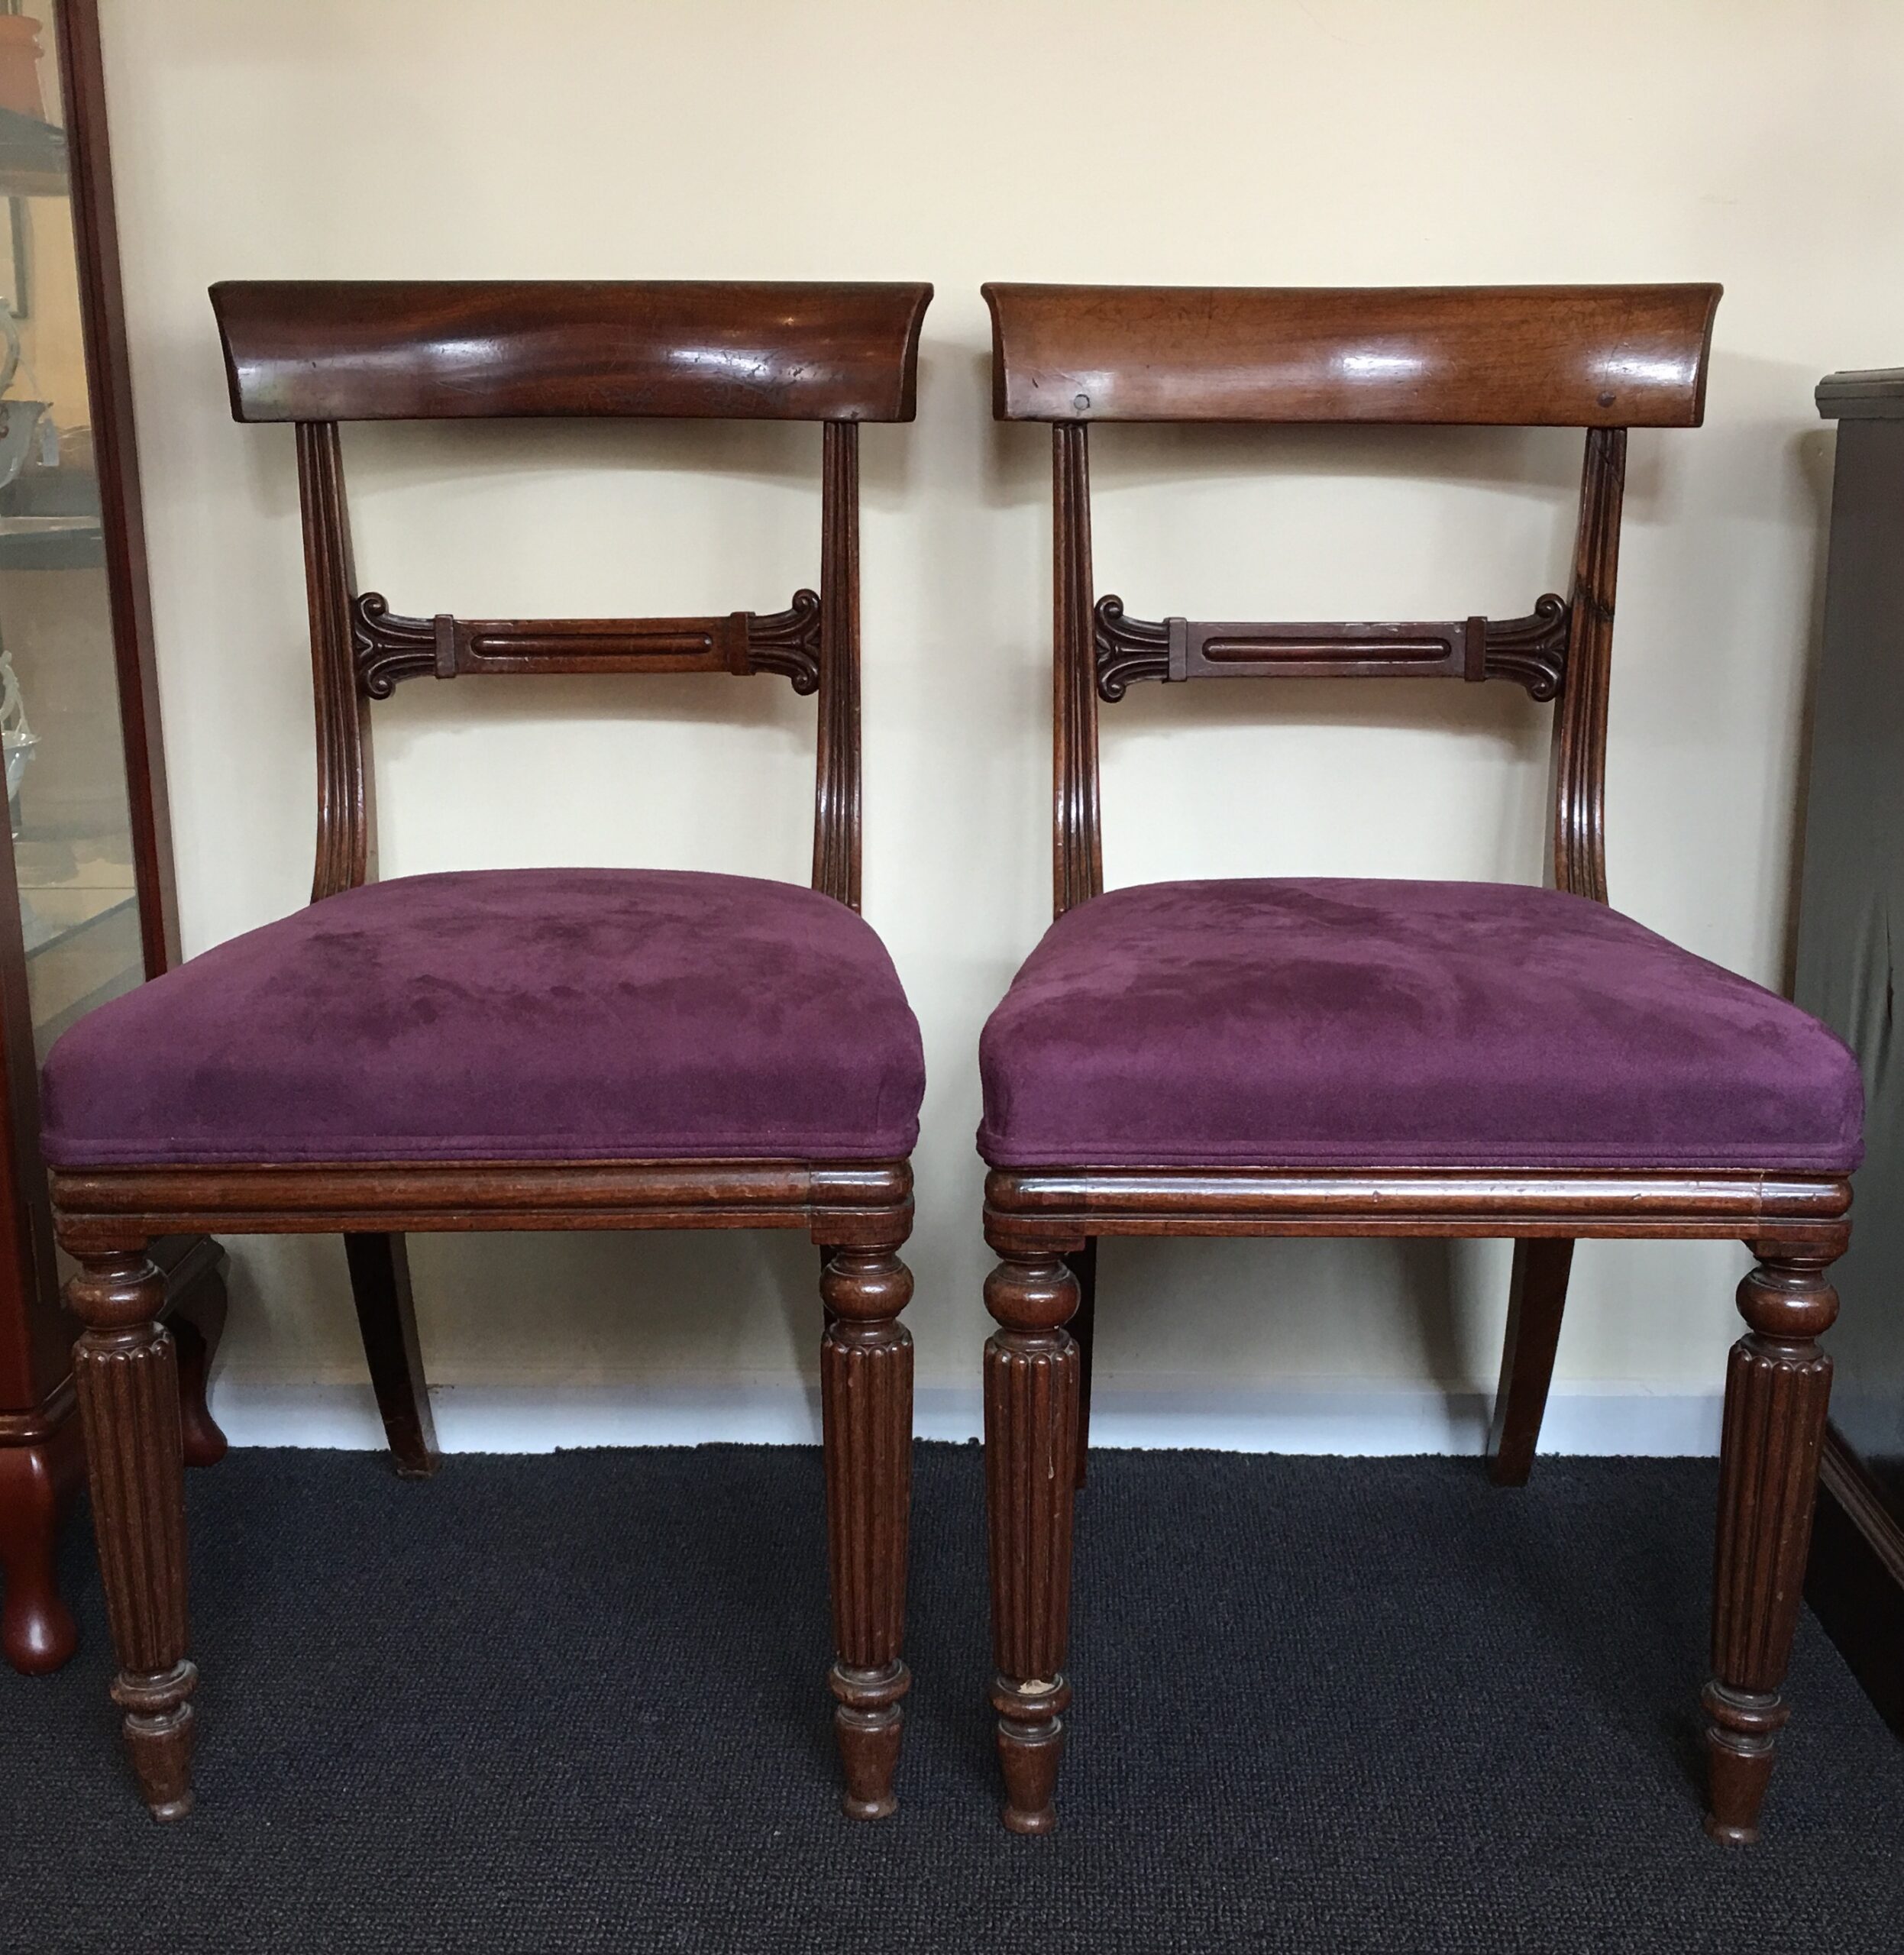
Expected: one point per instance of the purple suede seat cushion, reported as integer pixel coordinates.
(1327, 1023)
(522, 1015)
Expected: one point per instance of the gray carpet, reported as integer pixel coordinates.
(576, 1703)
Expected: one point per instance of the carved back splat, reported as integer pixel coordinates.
(1600, 357)
(319, 354)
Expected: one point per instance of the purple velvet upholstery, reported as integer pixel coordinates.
(521, 1015)
(1389, 1024)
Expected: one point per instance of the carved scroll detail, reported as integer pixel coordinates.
(388, 647)
(1531, 651)
(788, 642)
(1127, 648)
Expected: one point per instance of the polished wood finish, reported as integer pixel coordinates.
(380, 1267)
(1083, 1327)
(1776, 1386)
(367, 352)
(41, 1459)
(1579, 728)
(38, 1479)
(1531, 651)
(1602, 359)
(1077, 849)
(317, 349)
(1537, 1300)
(126, 1373)
(388, 649)
(1032, 1391)
(1564, 356)
(866, 1410)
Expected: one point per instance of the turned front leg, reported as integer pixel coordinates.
(1776, 1386)
(866, 1410)
(126, 1375)
(1032, 1391)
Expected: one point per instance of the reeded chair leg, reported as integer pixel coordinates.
(387, 1319)
(126, 1373)
(1776, 1386)
(866, 1411)
(1537, 1301)
(1033, 1388)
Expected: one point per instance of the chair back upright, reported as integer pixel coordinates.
(1602, 358)
(320, 353)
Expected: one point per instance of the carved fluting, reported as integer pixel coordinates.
(1778, 1383)
(1032, 1379)
(1127, 648)
(866, 1400)
(788, 642)
(1579, 728)
(127, 1382)
(387, 647)
(345, 840)
(1077, 862)
(837, 792)
(1532, 651)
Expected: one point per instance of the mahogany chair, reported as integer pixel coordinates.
(1345, 1058)
(549, 1049)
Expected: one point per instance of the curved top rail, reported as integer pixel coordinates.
(1569, 356)
(414, 349)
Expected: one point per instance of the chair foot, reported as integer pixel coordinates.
(1031, 1747)
(158, 1736)
(867, 1725)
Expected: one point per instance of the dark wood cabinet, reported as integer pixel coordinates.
(1851, 941)
(87, 903)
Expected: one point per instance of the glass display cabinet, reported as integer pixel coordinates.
(87, 903)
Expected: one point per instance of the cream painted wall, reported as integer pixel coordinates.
(1279, 141)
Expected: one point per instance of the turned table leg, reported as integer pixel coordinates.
(127, 1377)
(866, 1410)
(1776, 1385)
(37, 1633)
(1031, 1393)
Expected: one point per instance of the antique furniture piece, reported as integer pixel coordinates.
(544, 1049)
(87, 910)
(1341, 1058)
(1849, 913)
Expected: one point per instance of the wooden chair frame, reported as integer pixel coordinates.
(1602, 358)
(320, 354)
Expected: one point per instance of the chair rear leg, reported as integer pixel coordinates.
(1083, 1265)
(387, 1316)
(1536, 1303)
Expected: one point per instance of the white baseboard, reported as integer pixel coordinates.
(1603, 1420)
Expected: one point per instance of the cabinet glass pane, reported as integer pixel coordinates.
(65, 773)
